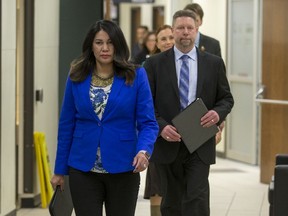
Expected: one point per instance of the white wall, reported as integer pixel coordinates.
(124, 21)
(46, 71)
(8, 160)
(214, 21)
(215, 25)
(46, 52)
(46, 77)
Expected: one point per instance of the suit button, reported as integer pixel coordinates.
(99, 124)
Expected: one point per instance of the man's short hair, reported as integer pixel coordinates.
(196, 8)
(183, 13)
(143, 27)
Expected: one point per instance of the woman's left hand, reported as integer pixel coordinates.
(140, 162)
(57, 180)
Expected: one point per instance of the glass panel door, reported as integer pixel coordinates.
(242, 69)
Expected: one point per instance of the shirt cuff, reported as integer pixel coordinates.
(147, 155)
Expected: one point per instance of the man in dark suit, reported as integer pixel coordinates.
(184, 176)
(203, 42)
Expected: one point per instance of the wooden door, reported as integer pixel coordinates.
(158, 17)
(135, 23)
(274, 106)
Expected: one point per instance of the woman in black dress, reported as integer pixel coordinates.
(164, 41)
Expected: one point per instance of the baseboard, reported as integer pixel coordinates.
(31, 201)
(220, 154)
(12, 213)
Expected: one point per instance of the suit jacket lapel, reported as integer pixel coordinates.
(201, 72)
(201, 42)
(171, 69)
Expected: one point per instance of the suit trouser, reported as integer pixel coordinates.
(185, 185)
(118, 192)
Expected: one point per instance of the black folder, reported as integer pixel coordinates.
(188, 125)
(61, 202)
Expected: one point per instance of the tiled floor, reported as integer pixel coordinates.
(235, 191)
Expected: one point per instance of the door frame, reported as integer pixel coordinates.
(0, 93)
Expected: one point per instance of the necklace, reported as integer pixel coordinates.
(100, 81)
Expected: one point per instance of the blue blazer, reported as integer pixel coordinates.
(127, 126)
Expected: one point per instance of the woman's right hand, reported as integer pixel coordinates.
(57, 180)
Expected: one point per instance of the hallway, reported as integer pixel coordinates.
(235, 191)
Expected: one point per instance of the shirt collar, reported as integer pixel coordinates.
(192, 54)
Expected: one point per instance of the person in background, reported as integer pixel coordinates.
(164, 41)
(203, 42)
(164, 38)
(218, 136)
(149, 48)
(177, 77)
(141, 33)
(107, 126)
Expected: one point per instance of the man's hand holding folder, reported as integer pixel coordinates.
(195, 125)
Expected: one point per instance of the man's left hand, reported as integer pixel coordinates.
(210, 118)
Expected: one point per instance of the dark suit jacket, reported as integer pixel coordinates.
(210, 45)
(212, 87)
(141, 56)
(136, 49)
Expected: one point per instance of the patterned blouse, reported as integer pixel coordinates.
(99, 97)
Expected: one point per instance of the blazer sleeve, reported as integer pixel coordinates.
(65, 130)
(224, 100)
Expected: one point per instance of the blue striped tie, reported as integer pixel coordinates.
(184, 82)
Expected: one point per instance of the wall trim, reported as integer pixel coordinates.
(0, 96)
(12, 213)
(31, 201)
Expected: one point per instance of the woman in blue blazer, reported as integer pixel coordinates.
(107, 126)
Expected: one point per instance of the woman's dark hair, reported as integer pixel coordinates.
(145, 43)
(82, 66)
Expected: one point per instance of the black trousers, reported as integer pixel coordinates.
(118, 192)
(185, 186)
